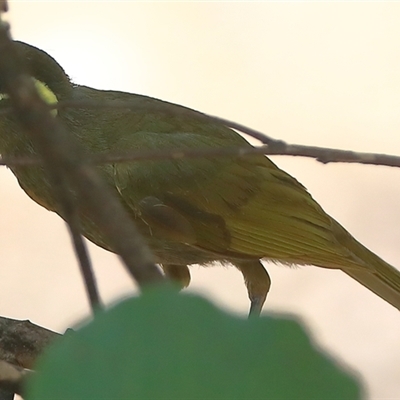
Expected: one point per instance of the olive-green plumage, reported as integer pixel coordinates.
(196, 210)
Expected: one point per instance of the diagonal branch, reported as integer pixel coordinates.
(65, 160)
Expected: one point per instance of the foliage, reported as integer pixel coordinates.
(168, 346)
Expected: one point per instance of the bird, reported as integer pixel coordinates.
(236, 211)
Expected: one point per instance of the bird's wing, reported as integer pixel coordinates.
(234, 207)
(243, 206)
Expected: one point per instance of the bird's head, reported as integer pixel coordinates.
(51, 81)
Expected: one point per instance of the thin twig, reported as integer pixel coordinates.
(322, 154)
(85, 263)
(64, 157)
(272, 146)
(69, 211)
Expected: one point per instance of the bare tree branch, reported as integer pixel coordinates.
(21, 343)
(322, 154)
(272, 146)
(64, 196)
(82, 253)
(3, 5)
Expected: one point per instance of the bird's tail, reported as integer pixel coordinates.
(383, 280)
(373, 273)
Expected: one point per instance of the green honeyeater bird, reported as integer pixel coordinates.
(193, 211)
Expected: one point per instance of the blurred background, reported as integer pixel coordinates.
(324, 74)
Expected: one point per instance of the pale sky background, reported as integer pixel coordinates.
(325, 74)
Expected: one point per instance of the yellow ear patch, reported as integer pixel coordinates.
(44, 92)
